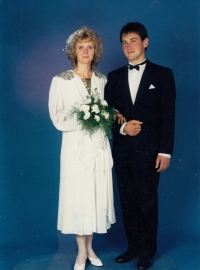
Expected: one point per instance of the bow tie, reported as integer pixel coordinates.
(136, 66)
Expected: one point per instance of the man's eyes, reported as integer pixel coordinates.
(132, 41)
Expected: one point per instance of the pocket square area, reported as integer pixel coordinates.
(151, 86)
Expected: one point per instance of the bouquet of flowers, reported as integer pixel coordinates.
(93, 114)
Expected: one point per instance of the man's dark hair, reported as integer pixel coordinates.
(134, 27)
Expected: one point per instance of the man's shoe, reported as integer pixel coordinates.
(144, 263)
(126, 257)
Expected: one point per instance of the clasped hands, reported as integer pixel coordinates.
(132, 128)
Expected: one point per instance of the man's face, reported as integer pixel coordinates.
(134, 47)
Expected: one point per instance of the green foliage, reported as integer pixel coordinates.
(93, 114)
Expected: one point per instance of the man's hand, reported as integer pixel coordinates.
(162, 163)
(132, 128)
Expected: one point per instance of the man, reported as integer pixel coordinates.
(145, 94)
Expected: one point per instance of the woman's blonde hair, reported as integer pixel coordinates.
(84, 33)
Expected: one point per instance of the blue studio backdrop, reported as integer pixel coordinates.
(33, 35)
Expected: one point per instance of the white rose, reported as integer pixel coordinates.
(105, 114)
(95, 100)
(95, 108)
(104, 103)
(88, 101)
(86, 116)
(97, 118)
(84, 108)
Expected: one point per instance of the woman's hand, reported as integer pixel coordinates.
(121, 119)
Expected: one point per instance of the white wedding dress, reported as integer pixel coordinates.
(86, 191)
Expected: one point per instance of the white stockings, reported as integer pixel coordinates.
(84, 243)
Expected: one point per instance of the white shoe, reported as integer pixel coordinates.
(79, 267)
(95, 262)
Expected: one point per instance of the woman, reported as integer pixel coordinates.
(86, 193)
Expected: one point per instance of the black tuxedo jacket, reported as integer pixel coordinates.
(154, 106)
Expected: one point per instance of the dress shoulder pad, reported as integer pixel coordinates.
(99, 75)
(66, 75)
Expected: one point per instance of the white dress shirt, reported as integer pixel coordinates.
(134, 78)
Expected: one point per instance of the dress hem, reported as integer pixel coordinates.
(63, 232)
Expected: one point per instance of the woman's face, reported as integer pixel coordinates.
(85, 51)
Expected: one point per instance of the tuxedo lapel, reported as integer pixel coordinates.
(123, 89)
(144, 85)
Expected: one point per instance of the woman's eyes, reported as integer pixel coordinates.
(81, 47)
